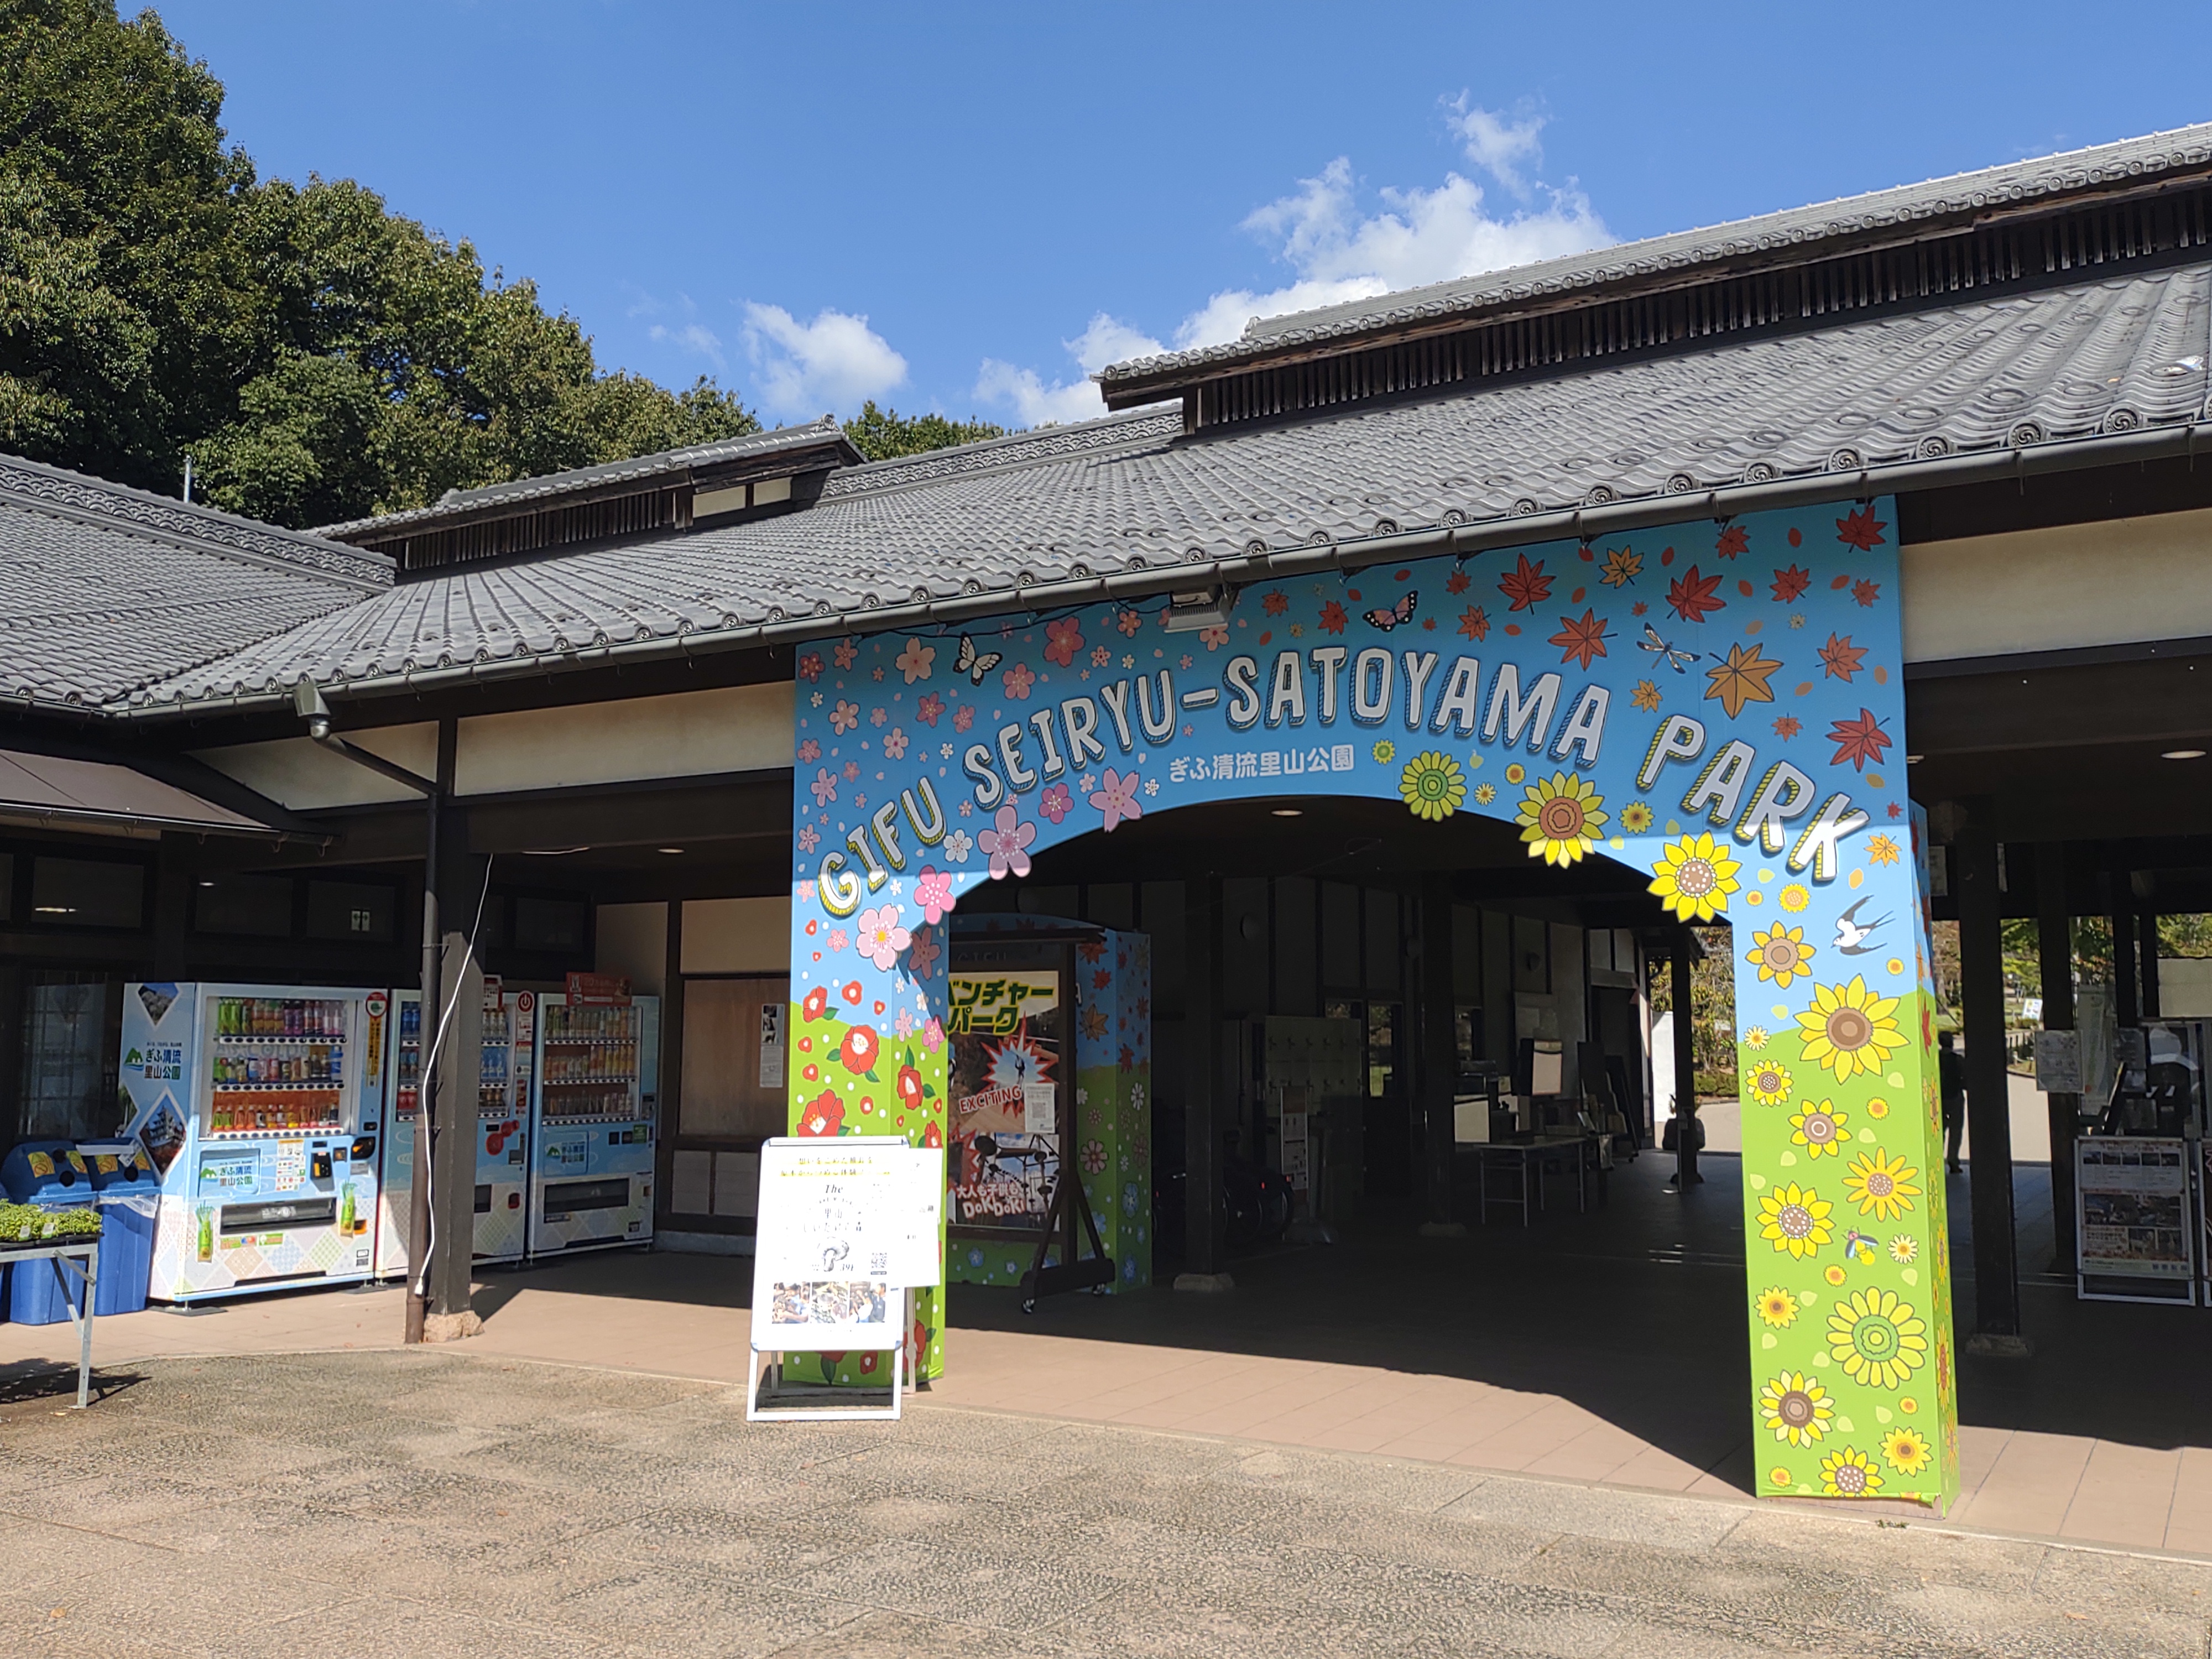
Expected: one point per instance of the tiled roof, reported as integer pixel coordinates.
(104, 589)
(1797, 231)
(1135, 494)
(458, 503)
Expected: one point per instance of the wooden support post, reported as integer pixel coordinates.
(1439, 1051)
(1685, 1063)
(2146, 960)
(1201, 1034)
(1989, 1107)
(2121, 905)
(2055, 949)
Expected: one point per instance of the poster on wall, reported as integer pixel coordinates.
(1007, 1064)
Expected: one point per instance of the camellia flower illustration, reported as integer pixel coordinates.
(824, 1116)
(1560, 818)
(1878, 1340)
(1006, 842)
(1903, 1249)
(1780, 954)
(1115, 798)
(1847, 1473)
(817, 1004)
(1881, 1186)
(1906, 1451)
(909, 1088)
(1636, 818)
(1850, 1029)
(1694, 877)
(914, 662)
(932, 892)
(860, 1048)
(1063, 639)
(1431, 786)
(1818, 1127)
(1797, 1410)
(958, 846)
(1795, 1218)
(1769, 1083)
(1776, 1307)
(881, 938)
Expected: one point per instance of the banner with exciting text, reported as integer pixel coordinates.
(1718, 707)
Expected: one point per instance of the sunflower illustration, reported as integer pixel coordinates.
(1903, 1249)
(1776, 1307)
(1559, 819)
(1878, 1340)
(1754, 1037)
(1694, 877)
(1795, 897)
(1636, 817)
(1516, 773)
(1780, 954)
(1385, 752)
(1880, 1185)
(1906, 1451)
(1796, 1410)
(1849, 1028)
(1847, 1472)
(1433, 786)
(1794, 1220)
(1818, 1127)
(1485, 793)
(1769, 1082)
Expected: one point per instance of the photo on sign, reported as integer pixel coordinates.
(831, 1301)
(1009, 1052)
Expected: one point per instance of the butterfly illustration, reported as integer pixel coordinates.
(973, 665)
(1679, 661)
(1397, 614)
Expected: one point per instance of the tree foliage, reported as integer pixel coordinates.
(317, 356)
(883, 434)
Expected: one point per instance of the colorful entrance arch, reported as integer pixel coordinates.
(1719, 704)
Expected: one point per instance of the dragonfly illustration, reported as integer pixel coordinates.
(1679, 661)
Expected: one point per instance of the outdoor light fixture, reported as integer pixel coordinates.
(667, 849)
(2183, 754)
(1202, 607)
(1289, 812)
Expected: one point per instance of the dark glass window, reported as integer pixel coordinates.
(358, 910)
(71, 1024)
(88, 893)
(254, 907)
(542, 924)
(7, 887)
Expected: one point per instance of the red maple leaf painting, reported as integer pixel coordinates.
(1690, 596)
(1858, 741)
(1526, 585)
(1456, 582)
(1860, 529)
(1578, 641)
(1788, 584)
(1638, 608)
(1276, 603)
(1473, 623)
(1865, 592)
(1841, 657)
(1734, 540)
(1787, 726)
(1333, 617)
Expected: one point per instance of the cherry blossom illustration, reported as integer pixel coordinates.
(1056, 803)
(809, 752)
(1017, 681)
(894, 742)
(1116, 796)
(915, 661)
(958, 846)
(881, 938)
(824, 786)
(1006, 842)
(1063, 639)
(930, 709)
(932, 892)
(844, 717)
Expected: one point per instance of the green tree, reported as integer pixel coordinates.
(883, 434)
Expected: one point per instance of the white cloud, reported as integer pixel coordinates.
(836, 361)
(694, 336)
(1337, 250)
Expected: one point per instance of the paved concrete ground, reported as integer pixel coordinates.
(445, 1503)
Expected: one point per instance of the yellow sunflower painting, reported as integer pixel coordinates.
(1817, 1126)
(1881, 1186)
(1780, 954)
(1906, 1451)
(1776, 1307)
(1850, 1029)
(1769, 1083)
(1694, 877)
(1797, 1410)
(1433, 786)
(1847, 1472)
(1879, 1340)
(1636, 817)
(1560, 818)
(1794, 1220)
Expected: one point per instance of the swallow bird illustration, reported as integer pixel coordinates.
(1853, 937)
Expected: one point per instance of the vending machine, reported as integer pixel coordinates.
(501, 1132)
(259, 1110)
(592, 1134)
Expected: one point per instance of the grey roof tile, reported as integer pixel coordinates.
(1134, 492)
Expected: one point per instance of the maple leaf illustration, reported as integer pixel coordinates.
(1526, 585)
(1841, 657)
(1456, 582)
(1788, 584)
(1578, 641)
(1333, 617)
(1276, 603)
(1621, 566)
(1858, 741)
(1860, 529)
(1734, 540)
(1865, 592)
(1691, 595)
(1742, 679)
(1473, 623)
(1787, 726)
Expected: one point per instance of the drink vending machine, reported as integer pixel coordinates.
(592, 1134)
(259, 1111)
(502, 1117)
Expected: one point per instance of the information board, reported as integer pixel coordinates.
(2058, 1062)
(846, 1226)
(2132, 1199)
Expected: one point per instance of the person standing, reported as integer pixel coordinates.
(1950, 1079)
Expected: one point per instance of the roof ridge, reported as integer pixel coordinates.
(2014, 181)
(1047, 442)
(189, 524)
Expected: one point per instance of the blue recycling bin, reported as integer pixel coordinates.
(128, 1193)
(54, 1175)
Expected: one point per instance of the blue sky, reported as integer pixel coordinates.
(963, 208)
